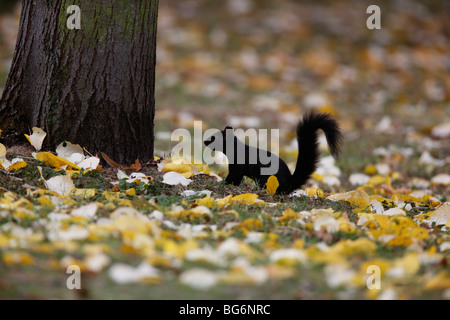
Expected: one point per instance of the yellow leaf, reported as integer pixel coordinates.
(110, 196)
(298, 244)
(400, 241)
(360, 203)
(224, 201)
(439, 281)
(207, 202)
(370, 169)
(45, 202)
(247, 198)
(382, 199)
(382, 221)
(410, 263)
(177, 167)
(251, 224)
(375, 180)
(236, 214)
(46, 192)
(317, 177)
(51, 160)
(173, 248)
(17, 258)
(382, 263)
(17, 166)
(131, 224)
(288, 215)
(23, 214)
(346, 226)
(315, 192)
(205, 169)
(187, 174)
(2, 151)
(348, 247)
(4, 241)
(82, 193)
(272, 185)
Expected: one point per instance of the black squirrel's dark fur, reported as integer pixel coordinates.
(308, 153)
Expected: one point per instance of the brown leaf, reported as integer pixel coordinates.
(111, 162)
(136, 166)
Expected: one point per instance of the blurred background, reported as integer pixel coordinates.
(261, 64)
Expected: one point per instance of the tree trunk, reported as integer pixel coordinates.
(92, 86)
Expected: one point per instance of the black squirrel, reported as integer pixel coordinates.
(256, 163)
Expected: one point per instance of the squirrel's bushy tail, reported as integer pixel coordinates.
(308, 145)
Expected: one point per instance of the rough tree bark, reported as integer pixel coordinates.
(93, 86)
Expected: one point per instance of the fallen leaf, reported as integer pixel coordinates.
(67, 150)
(272, 185)
(60, 184)
(36, 138)
(56, 162)
(111, 162)
(123, 273)
(136, 166)
(199, 278)
(441, 215)
(175, 178)
(2, 151)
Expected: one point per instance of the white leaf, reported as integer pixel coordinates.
(200, 279)
(140, 177)
(122, 175)
(441, 178)
(175, 178)
(69, 234)
(359, 179)
(377, 206)
(36, 138)
(188, 193)
(427, 158)
(441, 215)
(205, 255)
(5, 163)
(338, 274)
(87, 211)
(124, 273)
(90, 163)
(66, 150)
(441, 131)
(328, 222)
(96, 262)
(59, 184)
(394, 211)
(287, 254)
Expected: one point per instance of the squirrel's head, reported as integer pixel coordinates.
(217, 142)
